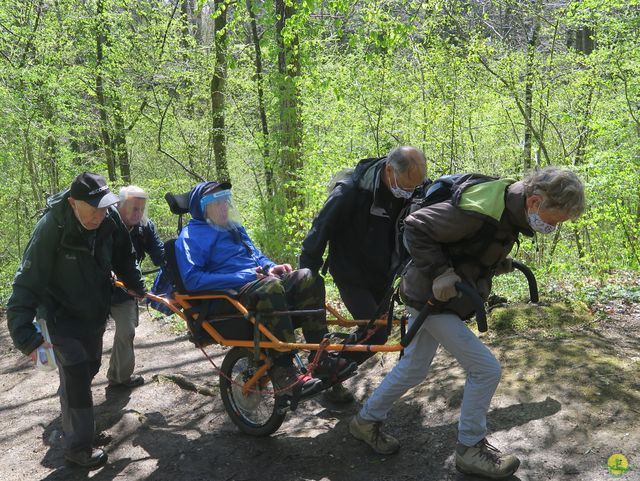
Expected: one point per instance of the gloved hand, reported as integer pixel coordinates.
(505, 266)
(444, 286)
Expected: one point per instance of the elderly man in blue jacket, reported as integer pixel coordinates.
(132, 208)
(214, 251)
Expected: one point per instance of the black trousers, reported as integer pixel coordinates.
(78, 362)
(362, 303)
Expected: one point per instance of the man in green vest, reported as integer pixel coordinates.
(449, 243)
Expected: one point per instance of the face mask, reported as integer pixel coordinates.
(397, 191)
(538, 225)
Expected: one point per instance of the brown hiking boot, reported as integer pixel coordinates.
(485, 460)
(370, 433)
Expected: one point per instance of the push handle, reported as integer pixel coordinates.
(478, 304)
(531, 280)
(417, 323)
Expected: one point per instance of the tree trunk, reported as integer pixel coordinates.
(259, 79)
(120, 142)
(186, 28)
(583, 128)
(581, 39)
(32, 168)
(532, 41)
(101, 36)
(290, 131)
(186, 14)
(218, 85)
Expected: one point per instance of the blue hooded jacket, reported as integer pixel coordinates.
(210, 258)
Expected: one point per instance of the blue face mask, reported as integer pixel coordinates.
(538, 225)
(397, 191)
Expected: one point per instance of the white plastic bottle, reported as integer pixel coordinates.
(45, 358)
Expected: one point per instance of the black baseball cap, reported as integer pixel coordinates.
(92, 189)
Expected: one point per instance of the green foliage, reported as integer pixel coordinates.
(447, 77)
(627, 293)
(551, 319)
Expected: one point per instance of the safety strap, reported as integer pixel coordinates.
(387, 302)
(311, 367)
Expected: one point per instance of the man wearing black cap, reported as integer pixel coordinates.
(66, 270)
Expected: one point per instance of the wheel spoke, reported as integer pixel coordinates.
(254, 413)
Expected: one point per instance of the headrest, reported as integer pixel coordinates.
(178, 203)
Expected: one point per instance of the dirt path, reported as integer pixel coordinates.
(564, 406)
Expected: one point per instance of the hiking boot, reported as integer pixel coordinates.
(288, 380)
(86, 458)
(485, 460)
(333, 369)
(370, 432)
(134, 381)
(338, 394)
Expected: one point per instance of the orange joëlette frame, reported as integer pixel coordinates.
(180, 302)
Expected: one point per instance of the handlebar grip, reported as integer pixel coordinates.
(531, 280)
(417, 323)
(478, 304)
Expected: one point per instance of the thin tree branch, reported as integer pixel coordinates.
(162, 151)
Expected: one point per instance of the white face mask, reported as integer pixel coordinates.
(538, 225)
(397, 191)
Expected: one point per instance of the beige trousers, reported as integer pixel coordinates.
(122, 361)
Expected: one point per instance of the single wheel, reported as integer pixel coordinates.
(256, 413)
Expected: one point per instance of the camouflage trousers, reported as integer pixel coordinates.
(299, 289)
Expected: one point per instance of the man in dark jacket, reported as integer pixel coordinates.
(360, 221)
(67, 270)
(449, 243)
(132, 208)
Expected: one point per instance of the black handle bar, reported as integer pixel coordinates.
(478, 304)
(481, 314)
(531, 279)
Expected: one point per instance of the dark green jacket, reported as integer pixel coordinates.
(68, 277)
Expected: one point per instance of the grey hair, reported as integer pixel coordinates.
(560, 189)
(405, 158)
(132, 191)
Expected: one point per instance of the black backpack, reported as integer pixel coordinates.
(451, 188)
(448, 187)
